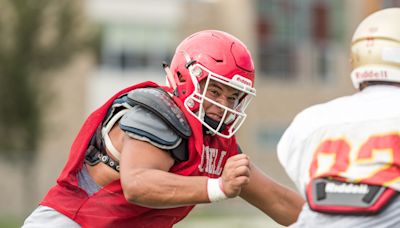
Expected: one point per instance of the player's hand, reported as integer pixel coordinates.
(236, 174)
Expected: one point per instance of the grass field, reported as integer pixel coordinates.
(228, 222)
(229, 214)
(10, 222)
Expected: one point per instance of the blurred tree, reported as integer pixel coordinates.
(36, 36)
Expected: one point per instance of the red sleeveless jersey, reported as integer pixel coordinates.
(108, 207)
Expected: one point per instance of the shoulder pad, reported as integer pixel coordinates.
(160, 103)
(118, 105)
(142, 124)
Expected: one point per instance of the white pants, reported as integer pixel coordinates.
(46, 217)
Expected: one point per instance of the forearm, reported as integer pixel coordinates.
(285, 207)
(160, 189)
(146, 180)
(277, 201)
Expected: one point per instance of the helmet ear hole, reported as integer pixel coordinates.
(180, 77)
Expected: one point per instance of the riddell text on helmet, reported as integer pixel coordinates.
(242, 80)
(379, 74)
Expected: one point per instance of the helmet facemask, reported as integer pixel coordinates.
(232, 117)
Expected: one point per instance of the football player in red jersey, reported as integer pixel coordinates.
(344, 155)
(151, 153)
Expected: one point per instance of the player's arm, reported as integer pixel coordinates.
(277, 201)
(149, 149)
(146, 181)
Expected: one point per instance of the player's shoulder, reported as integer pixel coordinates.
(321, 110)
(308, 120)
(378, 96)
(153, 117)
(160, 103)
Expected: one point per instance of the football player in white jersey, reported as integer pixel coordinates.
(344, 155)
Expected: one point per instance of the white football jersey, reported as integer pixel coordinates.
(356, 137)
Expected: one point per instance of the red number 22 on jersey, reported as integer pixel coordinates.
(375, 161)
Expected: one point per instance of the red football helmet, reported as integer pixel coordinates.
(213, 55)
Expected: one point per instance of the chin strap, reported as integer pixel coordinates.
(214, 124)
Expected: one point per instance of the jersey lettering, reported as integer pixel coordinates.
(212, 161)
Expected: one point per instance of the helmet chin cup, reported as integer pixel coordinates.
(214, 124)
(231, 117)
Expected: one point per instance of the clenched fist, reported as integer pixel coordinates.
(236, 174)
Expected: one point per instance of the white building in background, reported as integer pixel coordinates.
(136, 37)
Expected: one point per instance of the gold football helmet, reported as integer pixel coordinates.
(375, 48)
